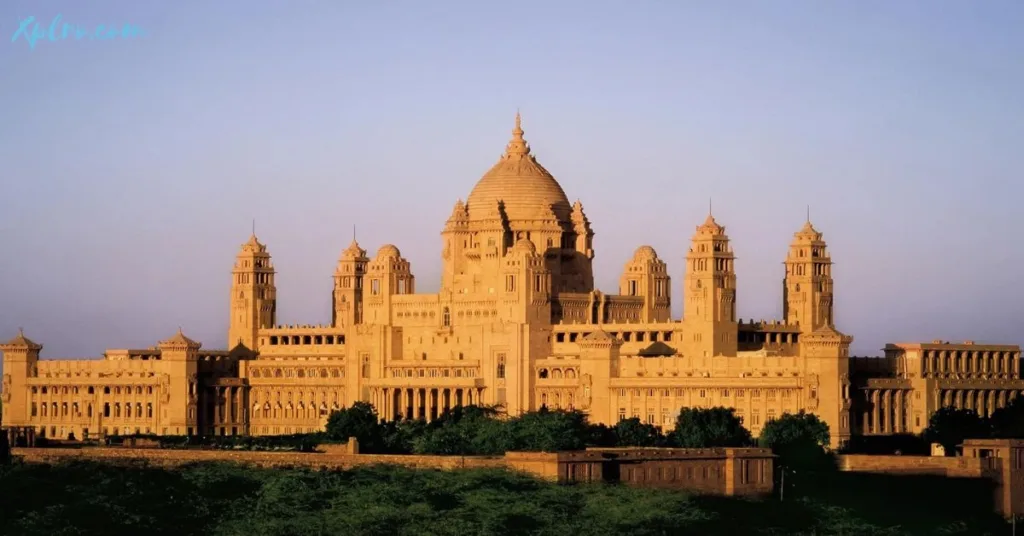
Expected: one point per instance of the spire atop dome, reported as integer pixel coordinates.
(518, 145)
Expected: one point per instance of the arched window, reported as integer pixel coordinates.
(446, 317)
(500, 372)
(543, 374)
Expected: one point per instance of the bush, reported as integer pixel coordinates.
(950, 426)
(799, 440)
(710, 427)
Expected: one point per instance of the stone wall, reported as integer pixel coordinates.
(174, 457)
(915, 465)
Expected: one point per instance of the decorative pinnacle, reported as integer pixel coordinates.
(518, 145)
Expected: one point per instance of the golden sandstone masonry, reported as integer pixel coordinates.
(517, 322)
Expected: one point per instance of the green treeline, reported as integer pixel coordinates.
(90, 498)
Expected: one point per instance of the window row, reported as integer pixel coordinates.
(770, 394)
(53, 390)
(295, 372)
(64, 409)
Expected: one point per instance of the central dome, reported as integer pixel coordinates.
(527, 190)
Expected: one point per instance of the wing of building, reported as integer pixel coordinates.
(517, 322)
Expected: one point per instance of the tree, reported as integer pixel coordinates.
(5, 448)
(798, 440)
(601, 435)
(633, 432)
(549, 431)
(1008, 422)
(709, 427)
(360, 421)
(950, 426)
(469, 430)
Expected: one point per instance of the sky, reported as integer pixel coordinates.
(132, 169)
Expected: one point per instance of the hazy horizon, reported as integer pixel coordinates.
(133, 168)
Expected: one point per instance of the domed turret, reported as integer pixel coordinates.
(526, 189)
(388, 251)
(353, 251)
(644, 253)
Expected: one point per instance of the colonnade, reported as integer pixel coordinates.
(224, 410)
(422, 402)
(889, 410)
(982, 401)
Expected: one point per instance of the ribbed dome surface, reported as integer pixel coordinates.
(527, 190)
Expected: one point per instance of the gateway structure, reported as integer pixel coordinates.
(517, 322)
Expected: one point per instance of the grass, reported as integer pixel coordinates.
(225, 499)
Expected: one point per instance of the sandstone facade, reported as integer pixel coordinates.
(518, 323)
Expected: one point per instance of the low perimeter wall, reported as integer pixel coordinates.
(915, 465)
(712, 471)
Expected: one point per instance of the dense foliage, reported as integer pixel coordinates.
(799, 440)
(85, 498)
(714, 427)
(949, 427)
(1008, 422)
(477, 430)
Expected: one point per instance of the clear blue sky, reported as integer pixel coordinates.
(132, 169)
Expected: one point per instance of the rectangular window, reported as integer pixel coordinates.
(510, 283)
(632, 288)
(622, 414)
(375, 287)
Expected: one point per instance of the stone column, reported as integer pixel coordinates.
(897, 427)
(430, 404)
(876, 412)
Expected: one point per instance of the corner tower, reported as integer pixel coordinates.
(709, 293)
(807, 288)
(19, 364)
(348, 286)
(253, 295)
(646, 275)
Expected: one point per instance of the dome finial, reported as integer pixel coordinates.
(808, 213)
(518, 145)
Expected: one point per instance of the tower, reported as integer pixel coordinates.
(348, 286)
(253, 295)
(387, 275)
(526, 285)
(807, 287)
(709, 293)
(179, 358)
(20, 358)
(646, 275)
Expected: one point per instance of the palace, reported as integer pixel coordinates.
(517, 322)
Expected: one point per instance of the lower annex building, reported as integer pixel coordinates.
(517, 322)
